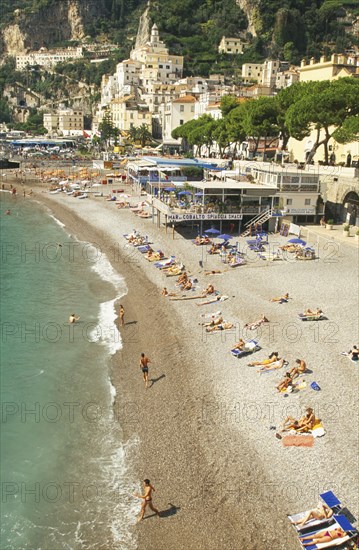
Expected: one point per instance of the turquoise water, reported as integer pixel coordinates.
(63, 468)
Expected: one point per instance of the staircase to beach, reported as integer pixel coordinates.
(259, 219)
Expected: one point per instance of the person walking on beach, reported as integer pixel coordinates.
(144, 367)
(147, 499)
(122, 315)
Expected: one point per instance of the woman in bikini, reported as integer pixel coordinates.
(272, 358)
(147, 499)
(323, 536)
(322, 511)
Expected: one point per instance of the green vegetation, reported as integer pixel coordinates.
(330, 107)
(289, 29)
(33, 123)
(107, 129)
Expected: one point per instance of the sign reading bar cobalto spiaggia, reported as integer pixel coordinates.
(202, 217)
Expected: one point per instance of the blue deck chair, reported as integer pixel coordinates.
(331, 500)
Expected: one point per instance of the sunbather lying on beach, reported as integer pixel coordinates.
(309, 312)
(322, 511)
(240, 345)
(323, 536)
(273, 366)
(281, 299)
(214, 321)
(256, 324)
(300, 369)
(272, 358)
(222, 326)
(166, 293)
(285, 383)
(214, 249)
(149, 253)
(208, 290)
(304, 424)
(202, 240)
(213, 272)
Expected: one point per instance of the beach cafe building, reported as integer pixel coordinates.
(153, 173)
(298, 196)
(253, 193)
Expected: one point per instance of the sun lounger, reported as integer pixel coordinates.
(313, 525)
(165, 263)
(239, 261)
(250, 347)
(303, 317)
(339, 522)
(331, 500)
(144, 248)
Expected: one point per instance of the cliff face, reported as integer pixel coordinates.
(250, 8)
(65, 20)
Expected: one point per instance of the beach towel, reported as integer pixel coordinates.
(298, 441)
(318, 429)
(297, 386)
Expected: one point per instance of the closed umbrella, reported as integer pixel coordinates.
(212, 231)
(297, 241)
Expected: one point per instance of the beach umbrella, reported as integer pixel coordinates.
(225, 237)
(169, 189)
(185, 193)
(297, 241)
(212, 231)
(199, 194)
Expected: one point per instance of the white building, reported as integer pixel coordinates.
(47, 59)
(176, 113)
(252, 72)
(297, 190)
(71, 122)
(51, 122)
(230, 45)
(126, 113)
(284, 79)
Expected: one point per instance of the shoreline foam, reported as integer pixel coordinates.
(218, 475)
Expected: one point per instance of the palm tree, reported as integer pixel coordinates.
(144, 135)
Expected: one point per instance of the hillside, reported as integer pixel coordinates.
(290, 29)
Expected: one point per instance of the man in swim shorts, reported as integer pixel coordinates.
(144, 367)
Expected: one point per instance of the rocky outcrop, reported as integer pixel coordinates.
(65, 20)
(250, 8)
(143, 33)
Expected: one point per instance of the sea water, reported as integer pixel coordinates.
(63, 466)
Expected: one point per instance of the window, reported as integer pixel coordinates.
(192, 109)
(181, 108)
(289, 202)
(307, 202)
(181, 122)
